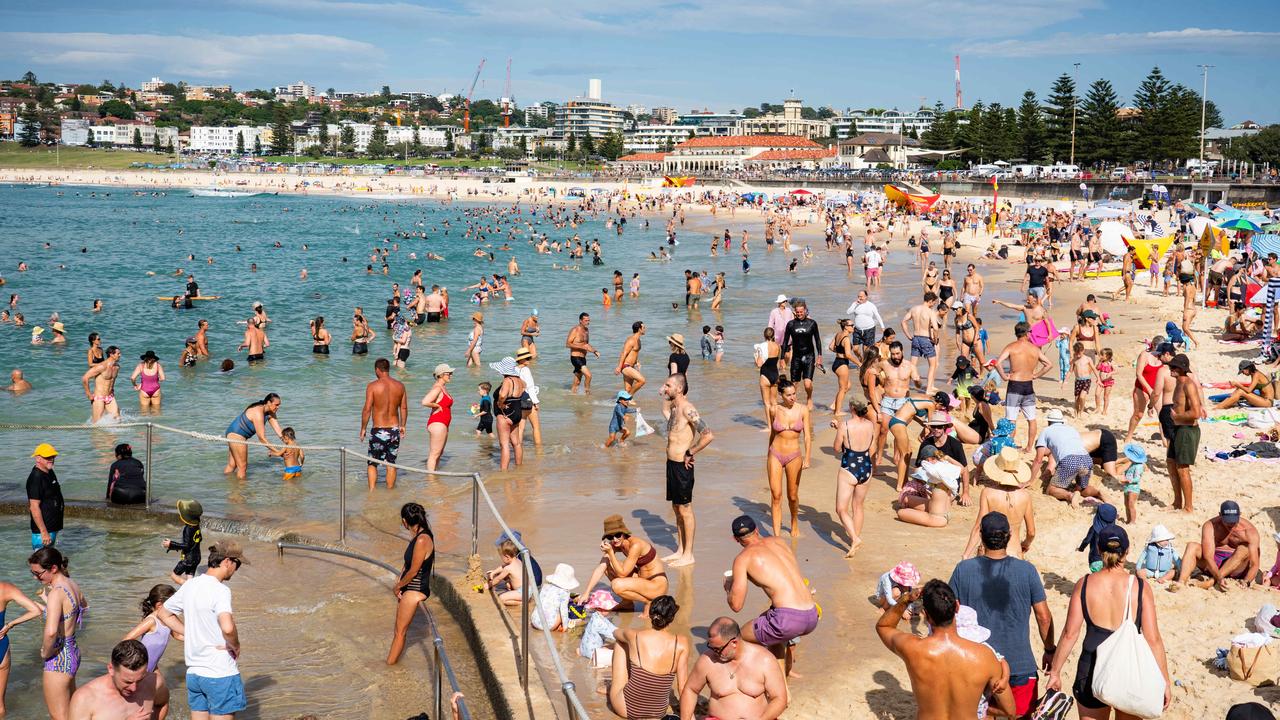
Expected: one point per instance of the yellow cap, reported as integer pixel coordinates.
(44, 450)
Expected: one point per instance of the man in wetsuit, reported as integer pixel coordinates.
(385, 403)
(949, 674)
(1026, 363)
(579, 344)
(802, 348)
(769, 564)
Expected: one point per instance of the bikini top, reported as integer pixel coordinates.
(793, 428)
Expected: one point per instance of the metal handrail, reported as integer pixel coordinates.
(441, 657)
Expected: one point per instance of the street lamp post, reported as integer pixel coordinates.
(1075, 100)
(1204, 104)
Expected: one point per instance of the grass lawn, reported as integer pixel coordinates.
(13, 155)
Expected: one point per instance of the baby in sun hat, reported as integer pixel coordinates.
(1159, 559)
(898, 581)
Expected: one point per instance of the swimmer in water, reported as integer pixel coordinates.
(103, 395)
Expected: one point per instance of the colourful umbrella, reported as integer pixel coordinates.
(1240, 224)
(1202, 209)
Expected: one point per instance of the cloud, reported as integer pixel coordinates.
(1162, 41)
(214, 57)
(916, 19)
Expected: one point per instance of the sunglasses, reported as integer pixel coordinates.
(37, 574)
(720, 650)
(615, 536)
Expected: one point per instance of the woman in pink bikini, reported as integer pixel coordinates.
(790, 421)
(146, 379)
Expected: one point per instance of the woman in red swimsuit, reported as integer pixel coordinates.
(441, 404)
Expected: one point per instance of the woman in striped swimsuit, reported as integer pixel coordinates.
(636, 692)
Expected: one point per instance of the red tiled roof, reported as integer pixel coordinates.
(818, 154)
(771, 141)
(643, 157)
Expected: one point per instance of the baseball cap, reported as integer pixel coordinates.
(624, 395)
(926, 452)
(44, 450)
(994, 523)
(1229, 510)
(1180, 362)
(743, 526)
(1165, 348)
(229, 549)
(1113, 538)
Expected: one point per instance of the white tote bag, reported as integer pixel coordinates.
(1126, 675)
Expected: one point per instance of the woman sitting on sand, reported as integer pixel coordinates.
(926, 499)
(639, 577)
(648, 664)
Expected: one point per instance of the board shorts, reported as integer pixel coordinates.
(1186, 278)
(776, 626)
(679, 483)
(256, 357)
(1185, 444)
(433, 317)
(216, 696)
(402, 354)
(1083, 385)
(384, 444)
(863, 337)
(1165, 416)
(1221, 556)
(802, 368)
(1020, 397)
(923, 347)
(578, 363)
(1073, 470)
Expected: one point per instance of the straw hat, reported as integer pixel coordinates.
(1007, 468)
(506, 366)
(477, 317)
(939, 419)
(676, 339)
(564, 577)
(614, 525)
(190, 511)
(36, 331)
(904, 573)
(442, 369)
(58, 327)
(1159, 533)
(524, 354)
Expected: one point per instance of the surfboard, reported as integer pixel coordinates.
(171, 298)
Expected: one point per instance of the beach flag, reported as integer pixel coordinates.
(995, 203)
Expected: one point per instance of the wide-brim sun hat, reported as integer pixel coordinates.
(1007, 468)
(524, 354)
(190, 511)
(1159, 533)
(676, 339)
(905, 574)
(967, 625)
(1136, 453)
(614, 525)
(564, 577)
(506, 366)
(477, 317)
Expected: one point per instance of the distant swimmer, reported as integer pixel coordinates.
(103, 395)
(17, 383)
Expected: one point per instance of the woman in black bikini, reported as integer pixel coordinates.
(414, 585)
(1100, 602)
(842, 346)
(508, 403)
(95, 349)
(768, 364)
(967, 344)
(320, 338)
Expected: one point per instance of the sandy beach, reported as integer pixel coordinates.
(843, 670)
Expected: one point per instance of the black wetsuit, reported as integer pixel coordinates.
(802, 339)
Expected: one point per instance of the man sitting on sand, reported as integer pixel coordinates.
(744, 680)
(949, 674)
(1236, 549)
(769, 564)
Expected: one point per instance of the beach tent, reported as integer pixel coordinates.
(1103, 213)
(801, 191)
(1114, 237)
(1143, 247)
(905, 194)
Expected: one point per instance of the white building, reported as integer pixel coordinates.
(636, 109)
(854, 122)
(788, 122)
(710, 123)
(542, 110)
(654, 138)
(211, 139)
(295, 91)
(873, 149)
(534, 138)
(664, 115)
(75, 131)
(152, 85)
(588, 116)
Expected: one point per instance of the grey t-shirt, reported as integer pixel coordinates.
(1062, 440)
(1002, 592)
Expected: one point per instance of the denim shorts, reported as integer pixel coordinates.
(216, 696)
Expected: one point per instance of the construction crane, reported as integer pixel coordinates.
(507, 100)
(466, 116)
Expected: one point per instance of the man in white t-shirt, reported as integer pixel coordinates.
(1072, 465)
(872, 259)
(211, 644)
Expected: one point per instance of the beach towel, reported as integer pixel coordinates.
(1043, 332)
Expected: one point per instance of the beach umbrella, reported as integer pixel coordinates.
(1113, 237)
(1103, 213)
(801, 191)
(1030, 225)
(1240, 223)
(1197, 225)
(1273, 227)
(1202, 209)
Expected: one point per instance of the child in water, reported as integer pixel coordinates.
(511, 572)
(291, 454)
(484, 410)
(618, 431)
(189, 512)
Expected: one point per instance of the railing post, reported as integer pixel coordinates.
(567, 687)
(148, 468)
(342, 494)
(439, 687)
(524, 625)
(475, 513)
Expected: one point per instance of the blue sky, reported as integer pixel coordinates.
(684, 53)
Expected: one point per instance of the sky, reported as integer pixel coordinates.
(688, 54)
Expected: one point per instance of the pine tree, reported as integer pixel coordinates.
(346, 140)
(137, 139)
(415, 143)
(30, 119)
(377, 146)
(588, 145)
(257, 145)
(968, 134)
(1031, 130)
(1101, 135)
(155, 141)
(572, 144)
(322, 137)
(941, 134)
(281, 132)
(612, 146)
(1182, 140)
(239, 143)
(1152, 102)
(89, 140)
(523, 144)
(1061, 103)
